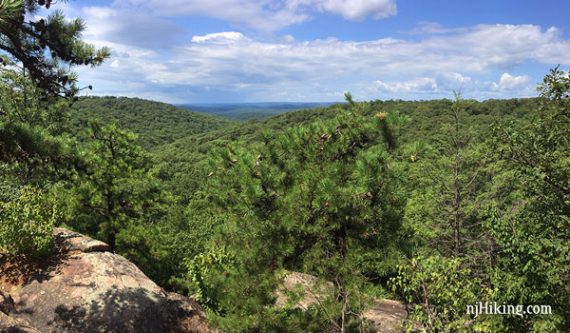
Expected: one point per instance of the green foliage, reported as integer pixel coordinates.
(364, 196)
(40, 156)
(442, 278)
(116, 187)
(182, 165)
(115, 198)
(32, 156)
(200, 270)
(252, 111)
(440, 289)
(530, 222)
(21, 103)
(155, 123)
(182, 168)
(45, 47)
(445, 188)
(320, 198)
(32, 147)
(26, 223)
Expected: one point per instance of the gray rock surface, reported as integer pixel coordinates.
(387, 316)
(88, 289)
(13, 325)
(384, 316)
(69, 241)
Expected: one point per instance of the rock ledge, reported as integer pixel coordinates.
(86, 288)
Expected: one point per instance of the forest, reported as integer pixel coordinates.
(440, 204)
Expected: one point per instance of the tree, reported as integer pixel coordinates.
(322, 199)
(439, 289)
(32, 146)
(31, 152)
(531, 216)
(443, 211)
(116, 191)
(445, 225)
(36, 57)
(44, 47)
(103, 197)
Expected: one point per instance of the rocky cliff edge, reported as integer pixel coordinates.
(86, 288)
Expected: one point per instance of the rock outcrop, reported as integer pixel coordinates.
(386, 316)
(86, 288)
(383, 316)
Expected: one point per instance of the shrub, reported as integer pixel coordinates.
(26, 223)
(440, 290)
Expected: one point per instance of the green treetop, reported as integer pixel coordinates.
(44, 46)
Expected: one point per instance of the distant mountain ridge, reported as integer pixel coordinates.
(180, 159)
(155, 123)
(248, 111)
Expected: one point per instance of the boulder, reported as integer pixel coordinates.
(386, 316)
(86, 288)
(69, 241)
(310, 287)
(383, 316)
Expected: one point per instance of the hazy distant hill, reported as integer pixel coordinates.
(180, 160)
(247, 111)
(156, 123)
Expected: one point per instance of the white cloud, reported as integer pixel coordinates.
(219, 38)
(236, 66)
(452, 57)
(416, 85)
(434, 28)
(510, 82)
(265, 15)
(111, 25)
(351, 9)
(457, 78)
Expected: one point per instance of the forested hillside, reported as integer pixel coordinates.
(155, 123)
(438, 204)
(178, 161)
(249, 111)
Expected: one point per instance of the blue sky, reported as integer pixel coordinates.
(214, 51)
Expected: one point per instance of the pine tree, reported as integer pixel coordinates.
(320, 199)
(36, 56)
(115, 191)
(45, 47)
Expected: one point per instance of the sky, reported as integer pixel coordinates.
(220, 51)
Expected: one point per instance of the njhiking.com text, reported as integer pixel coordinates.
(493, 308)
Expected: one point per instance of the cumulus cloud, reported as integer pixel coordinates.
(240, 66)
(266, 15)
(419, 85)
(360, 9)
(350, 9)
(127, 27)
(457, 78)
(452, 56)
(220, 37)
(510, 82)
